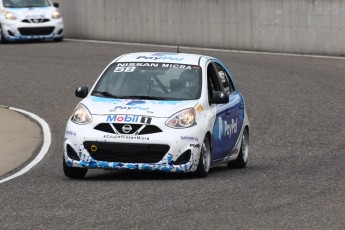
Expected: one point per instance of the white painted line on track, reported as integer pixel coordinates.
(44, 149)
(207, 49)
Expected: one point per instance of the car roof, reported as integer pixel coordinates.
(161, 57)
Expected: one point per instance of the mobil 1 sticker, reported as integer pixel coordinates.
(128, 119)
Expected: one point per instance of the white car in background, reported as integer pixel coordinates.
(170, 112)
(30, 19)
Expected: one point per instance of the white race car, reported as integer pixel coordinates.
(171, 112)
(30, 19)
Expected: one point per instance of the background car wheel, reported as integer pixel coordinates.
(58, 39)
(2, 38)
(242, 157)
(205, 159)
(74, 173)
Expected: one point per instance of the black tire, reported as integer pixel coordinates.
(58, 39)
(242, 158)
(2, 38)
(73, 173)
(205, 159)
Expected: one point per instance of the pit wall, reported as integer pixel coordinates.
(290, 26)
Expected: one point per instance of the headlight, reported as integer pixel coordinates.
(81, 115)
(183, 119)
(10, 15)
(56, 15)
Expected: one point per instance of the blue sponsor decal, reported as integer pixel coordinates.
(170, 159)
(164, 54)
(166, 167)
(106, 100)
(135, 102)
(168, 102)
(222, 128)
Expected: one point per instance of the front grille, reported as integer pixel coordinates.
(123, 128)
(128, 129)
(36, 31)
(126, 153)
(150, 129)
(104, 127)
(41, 20)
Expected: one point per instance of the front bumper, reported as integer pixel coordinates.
(180, 142)
(13, 31)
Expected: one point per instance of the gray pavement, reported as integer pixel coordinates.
(294, 179)
(20, 139)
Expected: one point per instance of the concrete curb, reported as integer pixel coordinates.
(22, 136)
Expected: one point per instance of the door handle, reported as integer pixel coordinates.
(241, 107)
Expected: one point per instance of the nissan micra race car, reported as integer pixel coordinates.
(170, 112)
(30, 19)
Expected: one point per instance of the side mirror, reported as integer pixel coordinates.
(81, 91)
(56, 5)
(220, 97)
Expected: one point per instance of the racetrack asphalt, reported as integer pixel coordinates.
(20, 139)
(294, 178)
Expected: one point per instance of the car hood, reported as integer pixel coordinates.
(155, 108)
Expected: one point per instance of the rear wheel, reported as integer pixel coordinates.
(205, 159)
(242, 157)
(74, 173)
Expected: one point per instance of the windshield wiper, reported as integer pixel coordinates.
(30, 6)
(105, 94)
(149, 97)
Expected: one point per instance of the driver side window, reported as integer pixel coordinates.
(212, 81)
(224, 78)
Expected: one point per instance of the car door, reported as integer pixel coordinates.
(229, 118)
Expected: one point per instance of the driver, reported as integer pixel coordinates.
(134, 85)
(189, 83)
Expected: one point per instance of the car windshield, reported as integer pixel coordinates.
(25, 3)
(151, 81)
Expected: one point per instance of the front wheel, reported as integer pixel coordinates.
(205, 159)
(2, 38)
(58, 39)
(242, 158)
(73, 173)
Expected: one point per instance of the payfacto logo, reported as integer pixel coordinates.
(128, 119)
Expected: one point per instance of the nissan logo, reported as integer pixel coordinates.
(126, 128)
